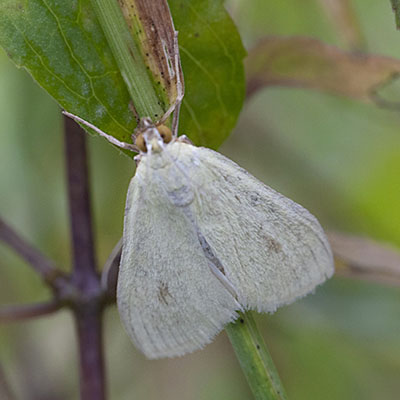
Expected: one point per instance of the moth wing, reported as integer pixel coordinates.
(273, 250)
(168, 299)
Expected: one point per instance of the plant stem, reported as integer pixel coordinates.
(79, 203)
(43, 266)
(128, 58)
(88, 309)
(255, 359)
(18, 312)
(90, 341)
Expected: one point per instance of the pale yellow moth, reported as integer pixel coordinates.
(204, 239)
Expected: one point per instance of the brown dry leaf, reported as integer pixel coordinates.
(152, 27)
(344, 18)
(308, 63)
(363, 258)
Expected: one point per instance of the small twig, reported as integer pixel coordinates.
(44, 266)
(363, 258)
(17, 312)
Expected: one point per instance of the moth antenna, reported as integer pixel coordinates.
(111, 139)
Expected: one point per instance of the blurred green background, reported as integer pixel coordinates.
(337, 157)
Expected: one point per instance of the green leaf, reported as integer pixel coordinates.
(212, 53)
(61, 44)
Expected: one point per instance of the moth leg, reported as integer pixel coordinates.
(111, 139)
(137, 159)
(175, 107)
(184, 139)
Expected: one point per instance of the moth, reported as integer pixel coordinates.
(204, 239)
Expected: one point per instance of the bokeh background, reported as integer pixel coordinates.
(337, 157)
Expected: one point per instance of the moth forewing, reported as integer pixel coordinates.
(273, 250)
(204, 239)
(168, 298)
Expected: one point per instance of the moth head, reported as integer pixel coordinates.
(151, 138)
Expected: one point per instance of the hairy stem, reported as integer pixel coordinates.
(128, 58)
(254, 358)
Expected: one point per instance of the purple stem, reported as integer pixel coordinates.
(17, 312)
(84, 269)
(88, 312)
(45, 267)
(91, 367)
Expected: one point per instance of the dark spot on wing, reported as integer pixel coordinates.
(254, 199)
(163, 293)
(227, 178)
(231, 179)
(271, 243)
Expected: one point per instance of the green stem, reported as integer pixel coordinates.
(129, 58)
(254, 358)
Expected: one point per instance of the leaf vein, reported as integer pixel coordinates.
(220, 42)
(217, 87)
(46, 67)
(194, 119)
(90, 78)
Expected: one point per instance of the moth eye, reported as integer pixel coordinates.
(165, 133)
(140, 143)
